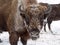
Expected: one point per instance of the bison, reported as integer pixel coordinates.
(11, 21)
(53, 14)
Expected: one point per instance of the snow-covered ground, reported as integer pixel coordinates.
(45, 38)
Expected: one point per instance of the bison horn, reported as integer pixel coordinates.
(49, 9)
(21, 8)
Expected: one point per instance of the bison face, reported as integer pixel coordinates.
(32, 15)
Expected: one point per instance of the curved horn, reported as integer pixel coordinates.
(49, 9)
(21, 8)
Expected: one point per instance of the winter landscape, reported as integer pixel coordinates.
(46, 38)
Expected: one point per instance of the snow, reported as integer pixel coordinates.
(46, 38)
(50, 1)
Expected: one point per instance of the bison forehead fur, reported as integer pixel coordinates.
(36, 9)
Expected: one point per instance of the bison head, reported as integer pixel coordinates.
(33, 17)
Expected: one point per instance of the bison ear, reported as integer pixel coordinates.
(25, 17)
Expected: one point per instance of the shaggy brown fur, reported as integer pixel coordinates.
(7, 8)
(12, 22)
(16, 24)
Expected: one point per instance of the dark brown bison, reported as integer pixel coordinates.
(52, 15)
(11, 21)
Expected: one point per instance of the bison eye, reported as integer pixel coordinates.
(23, 15)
